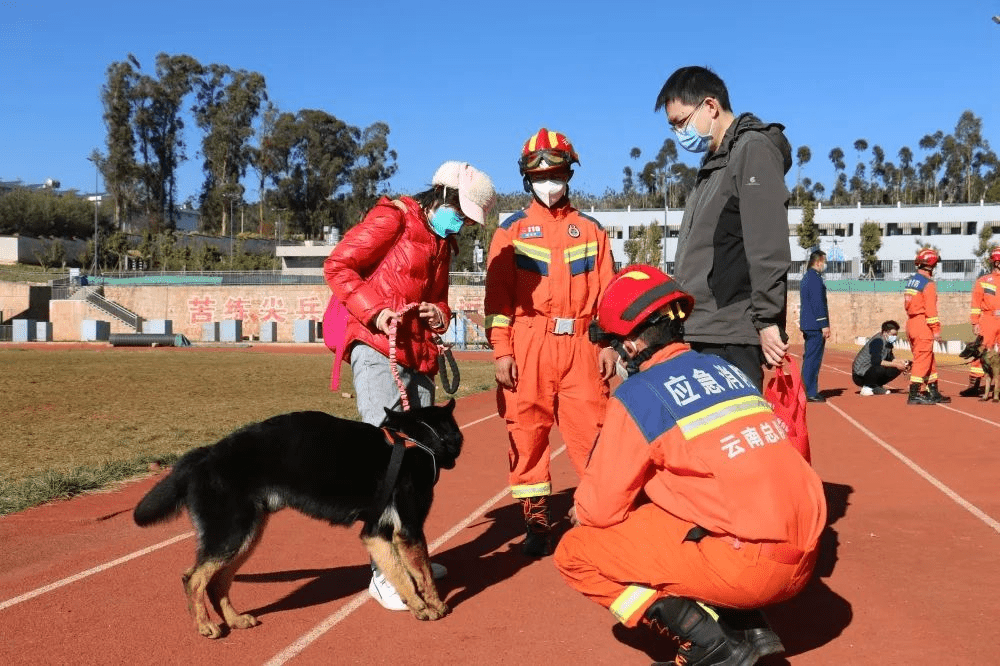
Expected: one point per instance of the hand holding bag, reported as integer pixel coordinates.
(787, 396)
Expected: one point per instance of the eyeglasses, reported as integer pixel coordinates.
(554, 158)
(680, 125)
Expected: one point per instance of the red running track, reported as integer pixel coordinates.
(908, 572)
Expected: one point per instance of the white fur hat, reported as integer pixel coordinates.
(476, 195)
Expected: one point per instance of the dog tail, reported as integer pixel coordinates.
(166, 499)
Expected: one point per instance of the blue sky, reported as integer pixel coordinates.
(472, 81)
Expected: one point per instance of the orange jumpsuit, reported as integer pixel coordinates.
(920, 300)
(986, 313)
(546, 272)
(694, 435)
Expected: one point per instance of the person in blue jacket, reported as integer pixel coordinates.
(814, 321)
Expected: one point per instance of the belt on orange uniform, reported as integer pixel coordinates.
(783, 553)
(559, 325)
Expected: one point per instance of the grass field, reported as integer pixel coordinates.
(77, 420)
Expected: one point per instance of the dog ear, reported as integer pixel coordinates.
(450, 405)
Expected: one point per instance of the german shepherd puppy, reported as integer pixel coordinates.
(326, 467)
(990, 361)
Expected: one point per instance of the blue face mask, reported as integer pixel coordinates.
(690, 139)
(445, 221)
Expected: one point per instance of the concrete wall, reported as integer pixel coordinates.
(851, 314)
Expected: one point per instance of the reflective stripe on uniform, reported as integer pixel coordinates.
(721, 414)
(933, 320)
(532, 257)
(581, 258)
(531, 490)
(497, 321)
(631, 600)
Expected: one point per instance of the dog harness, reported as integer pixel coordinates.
(399, 443)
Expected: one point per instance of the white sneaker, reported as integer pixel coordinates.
(383, 591)
(867, 390)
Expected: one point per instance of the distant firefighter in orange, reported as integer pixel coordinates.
(923, 327)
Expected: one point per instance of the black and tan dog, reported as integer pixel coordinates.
(990, 361)
(326, 467)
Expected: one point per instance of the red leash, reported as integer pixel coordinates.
(442, 349)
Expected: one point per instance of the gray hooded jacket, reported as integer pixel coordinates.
(733, 253)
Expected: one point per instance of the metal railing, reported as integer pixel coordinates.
(114, 309)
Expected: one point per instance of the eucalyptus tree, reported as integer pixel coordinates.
(836, 157)
(228, 101)
(315, 153)
(907, 174)
(931, 166)
(858, 182)
(159, 129)
(802, 157)
(374, 164)
(119, 168)
(808, 230)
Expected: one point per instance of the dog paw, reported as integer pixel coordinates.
(244, 621)
(209, 630)
(431, 612)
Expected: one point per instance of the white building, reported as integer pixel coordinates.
(954, 229)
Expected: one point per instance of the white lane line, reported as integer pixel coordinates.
(927, 476)
(361, 598)
(90, 572)
(131, 556)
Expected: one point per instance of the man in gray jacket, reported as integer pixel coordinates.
(733, 254)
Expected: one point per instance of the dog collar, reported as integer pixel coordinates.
(400, 442)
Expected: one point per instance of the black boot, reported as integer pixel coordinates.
(973, 389)
(702, 640)
(916, 397)
(935, 395)
(752, 625)
(538, 525)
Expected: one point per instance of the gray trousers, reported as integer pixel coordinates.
(376, 390)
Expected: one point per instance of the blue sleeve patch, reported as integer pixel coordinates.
(679, 389)
(512, 219)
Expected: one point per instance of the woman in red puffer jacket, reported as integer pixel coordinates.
(400, 254)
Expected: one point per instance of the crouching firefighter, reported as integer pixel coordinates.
(694, 510)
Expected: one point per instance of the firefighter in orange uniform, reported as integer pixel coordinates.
(547, 268)
(923, 328)
(985, 318)
(695, 510)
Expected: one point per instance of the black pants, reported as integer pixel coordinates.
(876, 376)
(748, 358)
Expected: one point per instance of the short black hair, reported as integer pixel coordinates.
(691, 85)
(816, 256)
(890, 325)
(662, 333)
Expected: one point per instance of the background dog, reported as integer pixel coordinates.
(990, 361)
(329, 468)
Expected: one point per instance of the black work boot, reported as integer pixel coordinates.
(702, 640)
(538, 525)
(973, 390)
(753, 626)
(916, 397)
(935, 395)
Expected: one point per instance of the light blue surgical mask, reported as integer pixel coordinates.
(688, 136)
(446, 221)
(890, 339)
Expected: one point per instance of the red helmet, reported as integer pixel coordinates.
(638, 293)
(552, 147)
(995, 254)
(927, 257)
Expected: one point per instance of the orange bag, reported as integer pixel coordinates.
(787, 396)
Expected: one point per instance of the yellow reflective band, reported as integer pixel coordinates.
(933, 320)
(976, 311)
(631, 600)
(977, 372)
(910, 292)
(580, 251)
(497, 321)
(933, 378)
(533, 490)
(718, 415)
(711, 611)
(533, 251)
(990, 287)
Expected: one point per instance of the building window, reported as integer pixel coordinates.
(970, 228)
